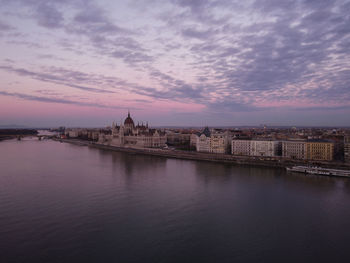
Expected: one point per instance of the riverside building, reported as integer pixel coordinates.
(309, 150)
(129, 135)
(347, 149)
(265, 148)
(203, 141)
(220, 143)
(213, 142)
(193, 139)
(319, 151)
(178, 138)
(294, 149)
(241, 147)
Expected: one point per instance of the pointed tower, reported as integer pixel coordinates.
(129, 124)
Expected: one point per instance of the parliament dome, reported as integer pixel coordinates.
(129, 121)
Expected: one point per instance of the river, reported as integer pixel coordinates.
(67, 203)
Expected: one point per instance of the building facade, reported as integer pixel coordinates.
(241, 147)
(220, 143)
(73, 133)
(178, 138)
(294, 149)
(320, 151)
(266, 148)
(347, 149)
(203, 141)
(193, 139)
(207, 141)
(129, 135)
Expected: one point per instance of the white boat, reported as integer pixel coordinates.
(319, 170)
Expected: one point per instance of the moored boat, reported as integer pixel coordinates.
(319, 171)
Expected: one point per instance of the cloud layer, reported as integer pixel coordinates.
(227, 56)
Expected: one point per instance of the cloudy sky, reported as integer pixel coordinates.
(175, 62)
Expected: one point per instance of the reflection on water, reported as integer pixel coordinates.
(132, 164)
(68, 203)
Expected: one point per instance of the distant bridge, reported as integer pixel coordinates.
(40, 137)
(45, 137)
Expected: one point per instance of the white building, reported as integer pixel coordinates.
(241, 147)
(347, 149)
(193, 139)
(129, 135)
(73, 133)
(203, 141)
(255, 147)
(264, 148)
(220, 143)
(294, 149)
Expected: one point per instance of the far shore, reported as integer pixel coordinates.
(277, 162)
(8, 134)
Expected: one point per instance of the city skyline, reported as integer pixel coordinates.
(189, 63)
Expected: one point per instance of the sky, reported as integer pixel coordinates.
(175, 62)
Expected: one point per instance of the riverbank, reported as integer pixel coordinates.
(8, 134)
(3, 138)
(278, 162)
(12, 137)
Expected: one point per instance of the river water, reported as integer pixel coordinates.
(66, 203)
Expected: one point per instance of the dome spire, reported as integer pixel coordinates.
(129, 120)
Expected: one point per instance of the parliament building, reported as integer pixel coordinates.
(134, 136)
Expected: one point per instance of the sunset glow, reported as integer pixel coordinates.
(176, 62)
